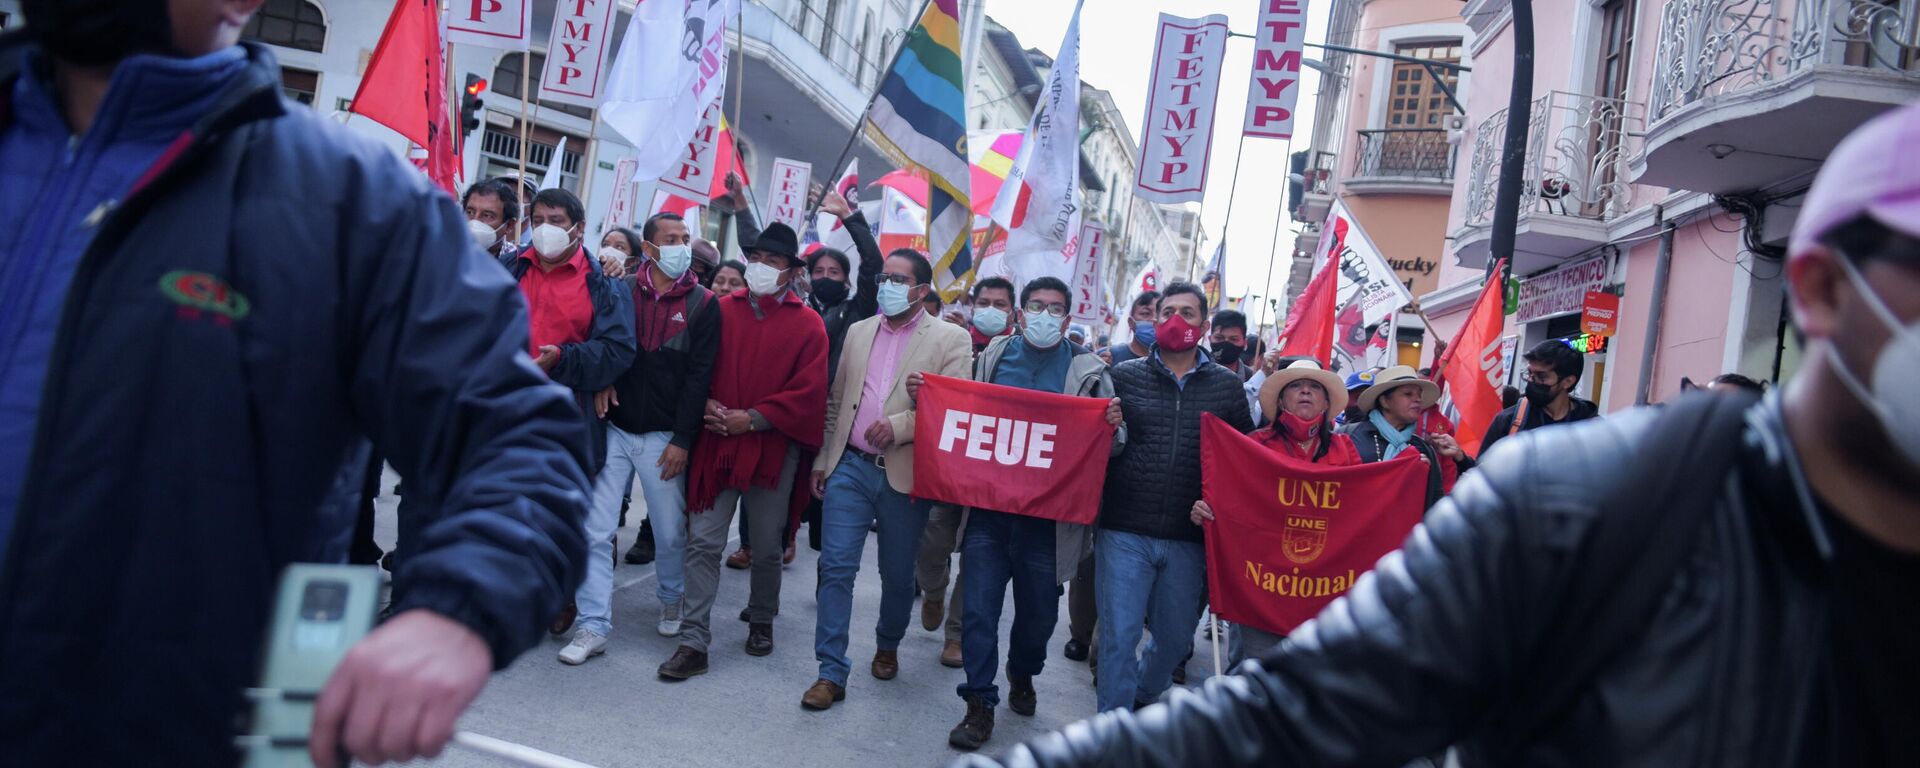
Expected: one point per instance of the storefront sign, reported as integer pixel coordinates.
(1560, 292)
(1600, 314)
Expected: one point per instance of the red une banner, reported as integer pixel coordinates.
(1288, 537)
(1011, 450)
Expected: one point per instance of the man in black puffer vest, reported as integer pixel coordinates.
(1148, 554)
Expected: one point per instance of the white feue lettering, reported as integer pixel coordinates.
(1004, 441)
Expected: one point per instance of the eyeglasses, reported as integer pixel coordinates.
(1540, 377)
(1057, 310)
(884, 278)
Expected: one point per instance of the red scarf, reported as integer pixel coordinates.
(776, 365)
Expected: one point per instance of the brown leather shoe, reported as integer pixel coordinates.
(686, 662)
(933, 608)
(886, 664)
(822, 695)
(741, 559)
(759, 639)
(950, 655)
(564, 620)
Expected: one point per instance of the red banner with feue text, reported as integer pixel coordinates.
(1010, 450)
(1288, 537)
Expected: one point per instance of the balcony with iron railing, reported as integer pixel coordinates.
(1750, 92)
(1401, 161)
(1574, 179)
(1316, 188)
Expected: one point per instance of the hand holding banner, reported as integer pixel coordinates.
(1011, 450)
(1288, 537)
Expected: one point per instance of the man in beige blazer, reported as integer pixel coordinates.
(865, 470)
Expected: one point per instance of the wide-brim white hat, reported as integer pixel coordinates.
(1394, 378)
(1302, 369)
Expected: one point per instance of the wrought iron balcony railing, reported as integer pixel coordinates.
(1405, 153)
(1576, 162)
(1711, 47)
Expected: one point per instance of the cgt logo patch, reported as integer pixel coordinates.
(199, 293)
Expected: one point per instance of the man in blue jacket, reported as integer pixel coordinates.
(210, 299)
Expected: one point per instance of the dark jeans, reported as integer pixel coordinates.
(999, 548)
(1082, 611)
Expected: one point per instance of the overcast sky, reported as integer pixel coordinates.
(1116, 55)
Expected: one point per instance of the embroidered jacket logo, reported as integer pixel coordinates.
(198, 292)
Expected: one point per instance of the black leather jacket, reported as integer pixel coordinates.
(1423, 652)
(1153, 483)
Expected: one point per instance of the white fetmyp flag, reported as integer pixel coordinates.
(1089, 294)
(552, 178)
(787, 202)
(1039, 205)
(692, 176)
(831, 231)
(672, 63)
(1176, 141)
(503, 24)
(1274, 88)
(577, 52)
(1369, 292)
(620, 212)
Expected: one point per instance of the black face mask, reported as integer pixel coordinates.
(829, 293)
(1226, 353)
(99, 32)
(1539, 394)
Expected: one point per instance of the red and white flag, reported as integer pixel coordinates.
(503, 24)
(1309, 327)
(1472, 365)
(577, 52)
(692, 176)
(1010, 450)
(1177, 138)
(833, 232)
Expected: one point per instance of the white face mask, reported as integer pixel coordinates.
(893, 299)
(763, 280)
(552, 242)
(674, 260)
(1893, 399)
(610, 252)
(484, 236)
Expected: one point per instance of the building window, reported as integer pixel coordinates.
(288, 24)
(1415, 101)
(860, 51)
(826, 28)
(299, 84)
(1616, 48)
(506, 82)
(500, 155)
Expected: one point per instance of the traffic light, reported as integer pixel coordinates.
(470, 105)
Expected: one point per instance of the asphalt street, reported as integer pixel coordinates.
(615, 711)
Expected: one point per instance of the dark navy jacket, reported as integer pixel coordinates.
(586, 367)
(274, 293)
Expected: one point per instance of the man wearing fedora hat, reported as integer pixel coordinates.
(767, 404)
(1391, 426)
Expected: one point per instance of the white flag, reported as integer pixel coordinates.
(1039, 205)
(503, 24)
(787, 201)
(577, 52)
(552, 179)
(831, 231)
(672, 63)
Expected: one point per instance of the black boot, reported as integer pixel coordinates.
(1023, 700)
(641, 552)
(973, 731)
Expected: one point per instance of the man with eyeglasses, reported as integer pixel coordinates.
(1035, 555)
(1553, 370)
(865, 470)
(764, 406)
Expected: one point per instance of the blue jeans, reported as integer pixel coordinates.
(629, 455)
(998, 548)
(1158, 582)
(857, 493)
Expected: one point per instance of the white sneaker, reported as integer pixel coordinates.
(669, 620)
(586, 645)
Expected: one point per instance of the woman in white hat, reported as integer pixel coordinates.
(1392, 426)
(1304, 398)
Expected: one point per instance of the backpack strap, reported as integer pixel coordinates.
(1646, 527)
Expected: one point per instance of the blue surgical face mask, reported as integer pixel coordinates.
(674, 260)
(990, 321)
(893, 299)
(1143, 332)
(1043, 329)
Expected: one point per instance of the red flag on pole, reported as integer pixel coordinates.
(1309, 328)
(727, 161)
(1471, 366)
(405, 87)
(1010, 450)
(1289, 537)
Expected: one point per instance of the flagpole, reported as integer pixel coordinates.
(740, 97)
(859, 119)
(586, 174)
(526, 134)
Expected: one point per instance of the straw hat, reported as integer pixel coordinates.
(1308, 369)
(1394, 378)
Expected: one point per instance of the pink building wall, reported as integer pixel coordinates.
(1693, 330)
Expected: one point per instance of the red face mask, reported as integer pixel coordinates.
(1175, 334)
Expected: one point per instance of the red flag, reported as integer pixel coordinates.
(1309, 328)
(727, 161)
(1275, 559)
(405, 87)
(1011, 450)
(1471, 366)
